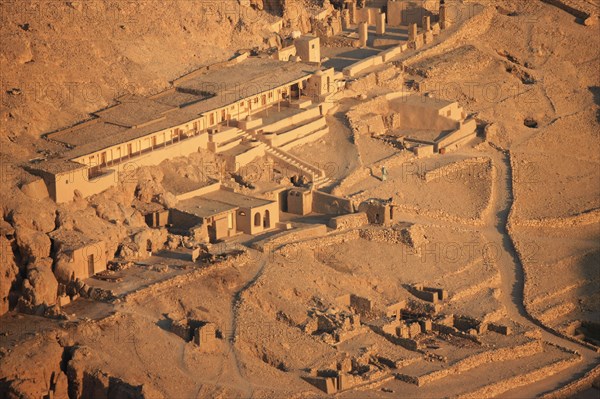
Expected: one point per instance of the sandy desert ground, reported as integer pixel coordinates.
(508, 225)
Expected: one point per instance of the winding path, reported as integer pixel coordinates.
(513, 278)
(245, 386)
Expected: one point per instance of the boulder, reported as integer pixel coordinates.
(17, 48)
(30, 378)
(40, 287)
(173, 241)
(167, 200)
(149, 184)
(111, 212)
(592, 20)
(38, 216)
(9, 272)
(87, 381)
(157, 238)
(64, 268)
(32, 244)
(35, 188)
(128, 250)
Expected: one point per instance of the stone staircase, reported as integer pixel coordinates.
(314, 127)
(315, 174)
(224, 139)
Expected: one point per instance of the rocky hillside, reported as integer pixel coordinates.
(62, 60)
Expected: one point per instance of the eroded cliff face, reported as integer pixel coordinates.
(61, 60)
(59, 367)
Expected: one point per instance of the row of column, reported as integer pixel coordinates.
(363, 27)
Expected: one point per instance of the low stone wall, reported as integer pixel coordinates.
(318, 242)
(580, 219)
(497, 388)
(292, 120)
(286, 237)
(308, 138)
(199, 191)
(466, 129)
(160, 287)
(358, 67)
(330, 204)
(297, 132)
(235, 162)
(498, 355)
(577, 386)
(424, 150)
(391, 53)
(391, 235)
(349, 221)
(441, 215)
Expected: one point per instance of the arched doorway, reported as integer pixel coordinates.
(267, 220)
(257, 219)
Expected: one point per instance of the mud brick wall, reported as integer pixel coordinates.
(331, 205)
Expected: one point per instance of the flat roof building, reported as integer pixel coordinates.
(85, 256)
(141, 131)
(225, 213)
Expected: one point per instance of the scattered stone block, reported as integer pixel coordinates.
(345, 381)
(182, 329)
(395, 309)
(500, 329)
(442, 294)
(344, 365)
(414, 330)
(349, 221)
(388, 362)
(426, 325)
(325, 384)
(390, 328)
(205, 336)
(403, 331)
(429, 296)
